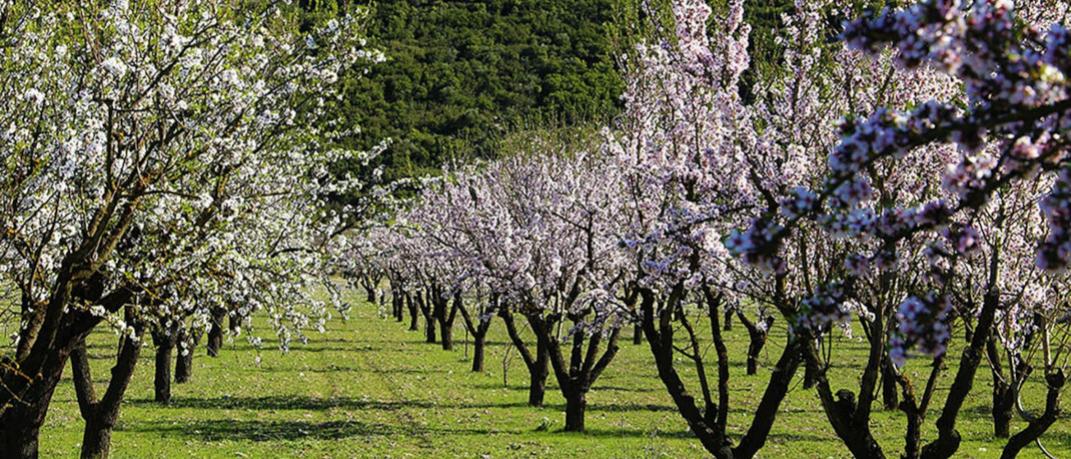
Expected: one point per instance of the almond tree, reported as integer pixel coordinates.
(1009, 128)
(133, 130)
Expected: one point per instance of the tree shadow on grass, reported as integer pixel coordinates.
(277, 402)
(596, 389)
(792, 437)
(321, 404)
(269, 368)
(260, 431)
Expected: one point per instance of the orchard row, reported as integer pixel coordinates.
(908, 182)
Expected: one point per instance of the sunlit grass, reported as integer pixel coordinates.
(369, 388)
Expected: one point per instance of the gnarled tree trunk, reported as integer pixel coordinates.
(101, 415)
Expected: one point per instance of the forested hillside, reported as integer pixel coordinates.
(461, 74)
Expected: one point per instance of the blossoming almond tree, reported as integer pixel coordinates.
(129, 146)
(1011, 127)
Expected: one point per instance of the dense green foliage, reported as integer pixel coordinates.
(462, 74)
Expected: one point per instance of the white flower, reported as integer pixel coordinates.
(115, 66)
(34, 96)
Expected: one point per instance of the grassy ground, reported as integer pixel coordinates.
(369, 388)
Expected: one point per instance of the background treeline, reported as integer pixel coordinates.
(463, 75)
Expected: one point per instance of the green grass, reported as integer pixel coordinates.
(369, 388)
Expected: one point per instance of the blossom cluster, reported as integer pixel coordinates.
(184, 167)
(923, 323)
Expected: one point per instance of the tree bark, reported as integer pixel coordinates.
(165, 346)
(1003, 401)
(537, 383)
(215, 333)
(575, 404)
(397, 304)
(538, 365)
(446, 335)
(20, 441)
(1041, 424)
(426, 310)
(27, 398)
(101, 415)
(888, 384)
(948, 438)
(478, 330)
(637, 334)
(757, 337)
(413, 326)
(429, 330)
(445, 314)
(479, 341)
(766, 413)
(1003, 392)
(184, 363)
(660, 341)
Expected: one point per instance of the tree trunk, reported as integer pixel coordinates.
(396, 302)
(757, 342)
(429, 330)
(1003, 392)
(479, 341)
(729, 321)
(165, 346)
(1003, 401)
(888, 385)
(1041, 424)
(810, 375)
(948, 438)
(537, 364)
(20, 441)
(757, 336)
(184, 363)
(537, 383)
(96, 439)
(776, 389)
(662, 351)
(637, 334)
(447, 336)
(575, 404)
(370, 294)
(215, 333)
(234, 323)
(412, 312)
(184, 366)
(21, 420)
(101, 415)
